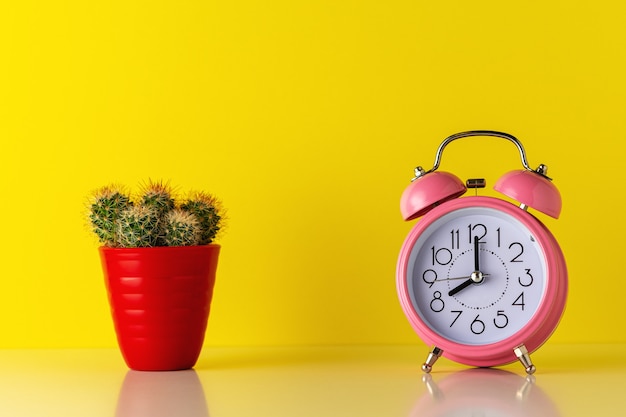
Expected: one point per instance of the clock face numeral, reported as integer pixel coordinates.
(429, 276)
(458, 314)
(518, 248)
(441, 256)
(525, 280)
(456, 238)
(476, 306)
(437, 304)
(479, 230)
(501, 320)
(519, 301)
(477, 326)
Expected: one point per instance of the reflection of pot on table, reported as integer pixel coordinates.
(484, 392)
(162, 394)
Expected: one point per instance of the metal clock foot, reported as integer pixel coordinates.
(433, 355)
(522, 354)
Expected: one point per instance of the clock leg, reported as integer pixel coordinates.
(522, 354)
(433, 355)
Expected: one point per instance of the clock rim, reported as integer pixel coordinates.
(541, 325)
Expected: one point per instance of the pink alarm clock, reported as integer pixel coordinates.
(480, 279)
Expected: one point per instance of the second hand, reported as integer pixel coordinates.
(456, 278)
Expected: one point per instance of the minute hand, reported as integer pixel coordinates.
(476, 255)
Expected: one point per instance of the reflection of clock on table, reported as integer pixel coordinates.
(486, 393)
(481, 279)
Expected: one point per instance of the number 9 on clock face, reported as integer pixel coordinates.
(476, 275)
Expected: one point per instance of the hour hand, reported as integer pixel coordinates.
(460, 287)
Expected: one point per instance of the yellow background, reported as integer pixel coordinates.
(306, 118)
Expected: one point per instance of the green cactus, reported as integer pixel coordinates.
(181, 229)
(207, 209)
(154, 218)
(108, 202)
(138, 226)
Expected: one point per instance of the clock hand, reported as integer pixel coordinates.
(457, 278)
(476, 255)
(475, 278)
(458, 288)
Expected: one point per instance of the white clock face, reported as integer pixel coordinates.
(476, 276)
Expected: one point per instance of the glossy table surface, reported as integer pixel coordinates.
(579, 380)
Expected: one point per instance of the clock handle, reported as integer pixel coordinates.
(532, 188)
(420, 171)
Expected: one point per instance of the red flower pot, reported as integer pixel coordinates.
(160, 299)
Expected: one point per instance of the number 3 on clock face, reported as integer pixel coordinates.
(473, 277)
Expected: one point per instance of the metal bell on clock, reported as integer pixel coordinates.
(427, 190)
(532, 189)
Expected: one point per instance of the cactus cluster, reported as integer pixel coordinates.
(154, 218)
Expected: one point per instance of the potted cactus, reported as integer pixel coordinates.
(159, 262)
